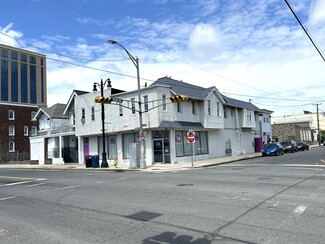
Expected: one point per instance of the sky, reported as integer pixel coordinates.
(250, 50)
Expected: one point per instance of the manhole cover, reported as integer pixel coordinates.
(185, 185)
(143, 216)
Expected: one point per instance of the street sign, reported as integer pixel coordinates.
(142, 135)
(191, 137)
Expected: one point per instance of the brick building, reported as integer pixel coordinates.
(23, 91)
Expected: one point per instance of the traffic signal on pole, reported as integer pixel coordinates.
(178, 98)
(100, 99)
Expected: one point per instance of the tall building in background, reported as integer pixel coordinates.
(23, 90)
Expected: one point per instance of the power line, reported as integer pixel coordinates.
(305, 30)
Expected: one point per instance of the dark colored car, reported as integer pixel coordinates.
(273, 149)
(289, 146)
(302, 146)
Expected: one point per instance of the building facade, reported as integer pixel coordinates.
(222, 125)
(23, 91)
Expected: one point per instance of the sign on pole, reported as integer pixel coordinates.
(190, 137)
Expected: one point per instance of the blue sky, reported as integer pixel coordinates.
(247, 49)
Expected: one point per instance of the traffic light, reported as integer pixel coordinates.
(178, 98)
(100, 99)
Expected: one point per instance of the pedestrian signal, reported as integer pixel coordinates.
(178, 98)
(100, 99)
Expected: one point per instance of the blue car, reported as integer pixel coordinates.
(273, 149)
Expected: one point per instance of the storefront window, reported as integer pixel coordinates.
(183, 148)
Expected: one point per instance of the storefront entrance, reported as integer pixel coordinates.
(161, 147)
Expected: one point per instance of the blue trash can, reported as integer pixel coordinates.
(95, 161)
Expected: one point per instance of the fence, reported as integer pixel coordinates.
(14, 157)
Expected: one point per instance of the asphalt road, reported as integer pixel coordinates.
(262, 200)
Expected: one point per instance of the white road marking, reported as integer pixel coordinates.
(69, 187)
(124, 178)
(39, 184)
(300, 209)
(7, 198)
(18, 183)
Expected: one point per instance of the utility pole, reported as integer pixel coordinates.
(318, 131)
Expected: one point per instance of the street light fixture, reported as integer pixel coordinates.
(135, 61)
(101, 86)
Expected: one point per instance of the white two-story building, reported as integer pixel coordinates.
(222, 126)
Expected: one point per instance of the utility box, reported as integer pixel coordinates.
(134, 155)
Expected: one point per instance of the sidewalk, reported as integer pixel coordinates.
(155, 167)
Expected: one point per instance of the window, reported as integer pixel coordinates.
(249, 115)
(179, 107)
(11, 146)
(267, 119)
(11, 130)
(232, 111)
(112, 147)
(11, 114)
(25, 130)
(83, 115)
(92, 113)
(145, 103)
(218, 108)
(33, 115)
(133, 105)
(183, 148)
(209, 107)
(120, 107)
(164, 102)
(225, 112)
(193, 107)
(127, 140)
(34, 131)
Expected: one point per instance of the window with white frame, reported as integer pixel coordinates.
(34, 131)
(25, 130)
(11, 115)
(179, 107)
(83, 115)
(11, 130)
(121, 107)
(133, 105)
(218, 108)
(33, 115)
(145, 103)
(164, 102)
(209, 107)
(11, 146)
(193, 107)
(249, 115)
(92, 113)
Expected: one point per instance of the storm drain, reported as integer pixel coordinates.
(143, 216)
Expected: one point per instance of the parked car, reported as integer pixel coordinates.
(274, 149)
(302, 146)
(289, 146)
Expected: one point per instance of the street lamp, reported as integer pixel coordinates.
(135, 61)
(101, 86)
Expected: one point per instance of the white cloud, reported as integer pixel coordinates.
(317, 13)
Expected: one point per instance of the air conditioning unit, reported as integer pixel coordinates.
(82, 120)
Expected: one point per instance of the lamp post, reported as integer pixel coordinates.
(135, 61)
(101, 86)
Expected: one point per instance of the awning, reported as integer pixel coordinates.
(180, 124)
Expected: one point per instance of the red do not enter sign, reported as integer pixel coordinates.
(190, 137)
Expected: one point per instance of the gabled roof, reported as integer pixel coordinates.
(182, 88)
(200, 93)
(54, 112)
(240, 104)
(73, 94)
